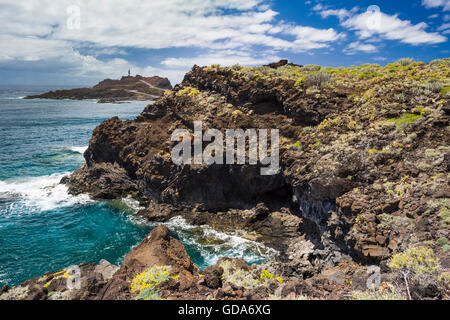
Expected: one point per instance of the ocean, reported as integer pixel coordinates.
(42, 227)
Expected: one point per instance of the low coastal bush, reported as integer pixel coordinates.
(188, 91)
(310, 67)
(376, 295)
(318, 78)
(405, 119)
(238, 276)
(405, 61)
(236, 67)
(149, 294)
(143, 286)
(246, 279)
(418, 267)
(434, 86)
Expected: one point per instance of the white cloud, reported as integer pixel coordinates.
(326, 12)
(39, 30)
(358, 47)
(445, 26)
(389, 27)
(308, 38)
(225, 58)
(437, 3)
(151, 24)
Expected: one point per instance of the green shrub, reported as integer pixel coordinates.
(238, 276)
(417, 261)
(310, 67)
(375, 295)
(444, 244)
(296, 145)
(144, 284)
(236, 67)
(247, 279)
(318, 78)
(368, 74)
(405, 119)
(434, 86)
(444, 213)
(149, 294)
(417, 266)
(445, 90)
(405, 61)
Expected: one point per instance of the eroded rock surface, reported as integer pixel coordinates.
(364, 162)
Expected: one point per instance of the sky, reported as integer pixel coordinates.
(81, 42)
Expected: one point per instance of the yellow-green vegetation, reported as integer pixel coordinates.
(444, 213)
(421, 110)
(376, 295)
(351, 125)
(444, 243)
(416, 264)
(243, 278)
(328, 123)
(388, 221)
(423, 166)
(267, 275)
(317, 144)
(318, 78)
(368, 74)
(295, 145)
(421, 79)
(405, 119)
(188, 91)
(405, 61)
(360, 219)
(443, 207)
(143, 286)
(300, 81)
(399, 188)
(445, 90)
(238, 276)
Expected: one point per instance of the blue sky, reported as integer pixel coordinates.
(80, 42)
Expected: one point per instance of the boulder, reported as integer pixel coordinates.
(158, 248)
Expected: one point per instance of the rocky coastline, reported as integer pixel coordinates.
(362, 188)
(128, 88)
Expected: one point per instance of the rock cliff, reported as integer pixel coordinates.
(363, 179)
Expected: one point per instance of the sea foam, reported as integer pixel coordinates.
(79, 149)
(40, 193)
(213, 244)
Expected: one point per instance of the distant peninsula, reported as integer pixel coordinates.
(114, 91)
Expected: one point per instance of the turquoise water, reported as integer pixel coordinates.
(42, 227)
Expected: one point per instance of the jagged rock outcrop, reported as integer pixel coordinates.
(82, 282)
(364, 161)
(114, 91)
(360, 176)
(157, 249)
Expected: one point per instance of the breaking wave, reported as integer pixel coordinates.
(40, 193)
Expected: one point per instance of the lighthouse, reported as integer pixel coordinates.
(129, 73)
